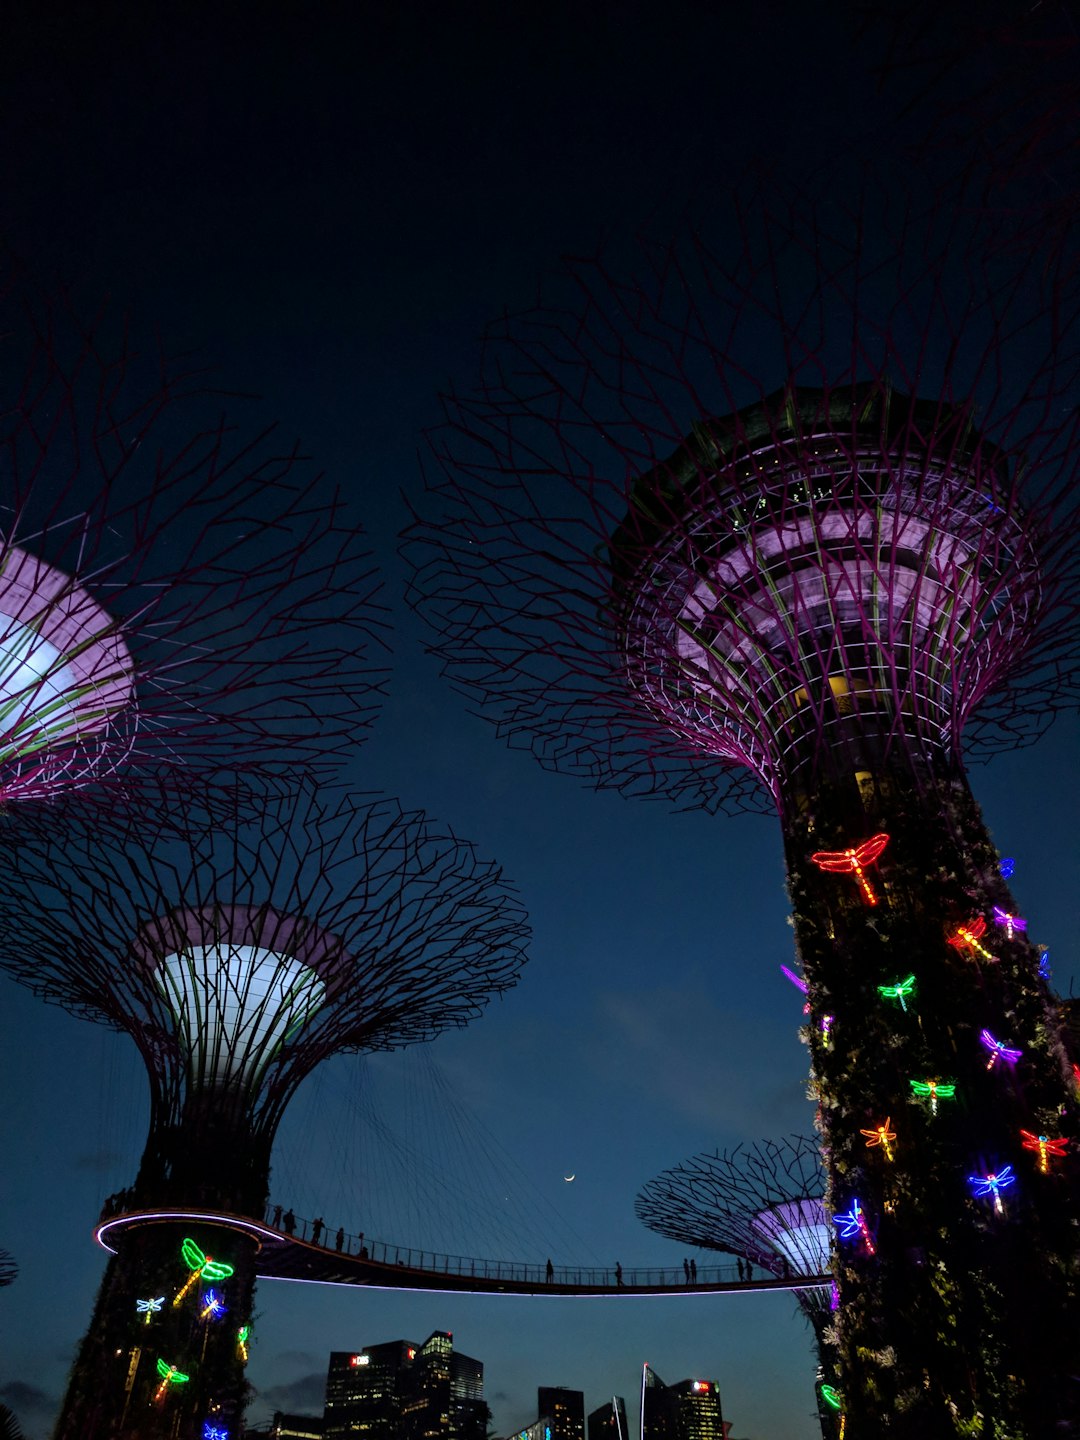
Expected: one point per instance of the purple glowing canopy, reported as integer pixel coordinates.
(175, 595)
(667, 576)
(763, 1202)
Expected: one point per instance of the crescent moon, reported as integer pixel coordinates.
(568, 1178)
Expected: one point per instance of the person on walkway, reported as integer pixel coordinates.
(618, 1273)
(550, 1271)
(339, 1238)
(289, 1222)
(316, 1230)
(276, 1222)
(693, 1270)
(686, 1269)
(740, 1265)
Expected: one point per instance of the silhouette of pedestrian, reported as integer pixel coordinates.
(686, 1270)
(289, 1222)
(550, 1271)
(618, 1273)
(693, 1271)
(339, 1238)
(276, 1222)
(316, 1230)
(740, 1265)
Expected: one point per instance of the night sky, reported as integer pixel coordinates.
(328, 204)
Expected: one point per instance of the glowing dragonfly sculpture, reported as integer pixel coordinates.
(799, 983)
(881, 1136)
(149, 1307)
(853, 1226)
(170, 1375)
(1010, 923)
(998, 1050)
(202, 1267)
(967, 937)
(900, 991)
(993, 1184)
(935, 1090)
(213, 1306)
(1046, 1148)
(854, 862)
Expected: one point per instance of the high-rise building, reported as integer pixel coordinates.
(609, 1421)
(296, 1427)
(404, 1391)
(565, 1409)
(689, 1410)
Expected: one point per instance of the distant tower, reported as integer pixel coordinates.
(564, 1408)
(763, 1203)
(402, 1390)
(236, 961)
(689, 1410)
(608, 1421)
(672, 579)
(175, 597)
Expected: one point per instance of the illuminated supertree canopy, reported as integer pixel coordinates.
(236, 960)
(175, 593)
(763, 1203)
(819, 593)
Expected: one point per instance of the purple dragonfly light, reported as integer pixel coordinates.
(1010, 923)
(998, 1050)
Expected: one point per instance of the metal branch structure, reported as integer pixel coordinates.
(175, 594)
(993, 92)
(765, 1204)
(237, 961)
(817, 594)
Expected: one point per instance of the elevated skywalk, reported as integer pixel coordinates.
(286, 1253)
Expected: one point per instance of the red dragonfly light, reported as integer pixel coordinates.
(1045, 1148)
(967, 937)
(854, 862)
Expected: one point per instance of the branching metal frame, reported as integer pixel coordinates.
(373, 927)
(174, 593)
(714, 1200)
(590, 457)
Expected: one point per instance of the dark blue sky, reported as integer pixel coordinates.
(330, 204)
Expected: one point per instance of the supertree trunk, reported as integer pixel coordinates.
(164, 1297)
(938, 1065)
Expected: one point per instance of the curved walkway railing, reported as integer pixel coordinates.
(316, 1232)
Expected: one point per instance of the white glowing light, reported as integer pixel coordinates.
(237, 1005)
(797, 1231)
(65, 672)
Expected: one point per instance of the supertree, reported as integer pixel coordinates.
(174, 594)
(669, 577)
(765, 1204)
(237, 960)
